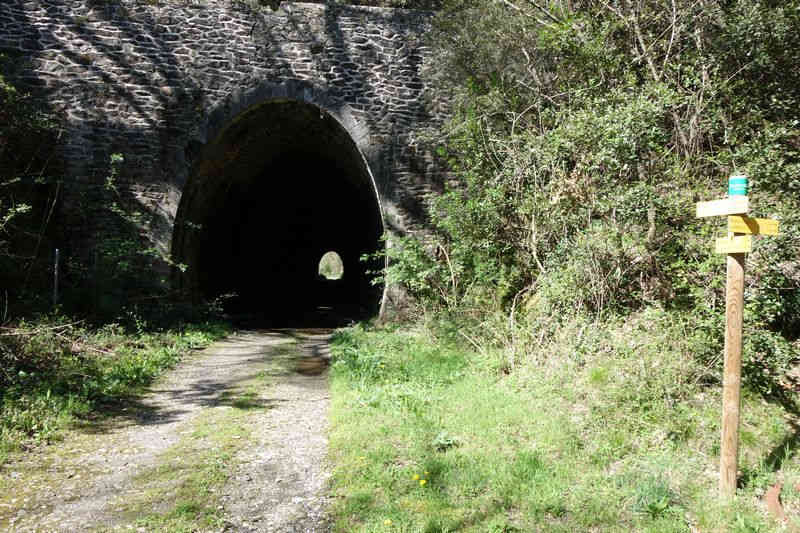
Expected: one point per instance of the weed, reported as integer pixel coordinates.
(527, 465)
(180, 494)
(331, 266)
(444, 441)
(625, 436)
(653, 497)
(55, 371)
(745, 523)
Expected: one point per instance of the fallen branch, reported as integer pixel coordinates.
(472, 342)
(19, 332)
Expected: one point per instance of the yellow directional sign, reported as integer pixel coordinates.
(752, 226)
(739, 241)
(735, 244)
(735, 205)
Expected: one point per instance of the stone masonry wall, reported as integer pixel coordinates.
(158, 80)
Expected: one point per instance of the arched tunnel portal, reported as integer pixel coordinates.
(282, 185)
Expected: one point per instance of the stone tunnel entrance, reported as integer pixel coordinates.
(281, 186)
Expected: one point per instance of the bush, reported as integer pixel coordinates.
(582, 135)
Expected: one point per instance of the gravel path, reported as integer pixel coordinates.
(278, 480)
(280, 483)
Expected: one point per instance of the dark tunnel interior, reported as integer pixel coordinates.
(283, 186)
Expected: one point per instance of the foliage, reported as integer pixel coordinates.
(53, 370)
(111, 278)
(331, 266)
(583, 133)
(653, 497)
(29, 187)
(122, 272)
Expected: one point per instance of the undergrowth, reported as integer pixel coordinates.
(564, 278)
(54, 372)
(608, 425)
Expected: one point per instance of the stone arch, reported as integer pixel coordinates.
(284, 162)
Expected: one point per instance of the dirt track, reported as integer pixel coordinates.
(257, 402)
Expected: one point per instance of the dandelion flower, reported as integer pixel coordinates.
(422, 482)
(387, 522)
(416, 477)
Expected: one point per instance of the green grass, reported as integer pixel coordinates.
(606, 427)
(56, 373)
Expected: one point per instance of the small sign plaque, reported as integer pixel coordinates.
(736, 205)
(737, 185)
(752, 226)
(736, 244)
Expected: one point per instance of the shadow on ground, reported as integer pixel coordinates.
(272, 354)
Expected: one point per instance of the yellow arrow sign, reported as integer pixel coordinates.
(734, 245)
(752, 226)
(735, 205)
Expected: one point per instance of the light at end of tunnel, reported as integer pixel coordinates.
(331, 266)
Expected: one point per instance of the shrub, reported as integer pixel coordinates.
(582, 135)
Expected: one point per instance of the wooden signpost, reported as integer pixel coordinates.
(735, 245)
(752, 226)
(727, 206)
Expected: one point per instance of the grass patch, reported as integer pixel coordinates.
(609, 426)
(56, 373)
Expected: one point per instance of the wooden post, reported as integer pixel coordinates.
(55, 278)
(732, 375)
(735, 245)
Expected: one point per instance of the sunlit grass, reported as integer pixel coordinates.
(180, 494)
(607, 432)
